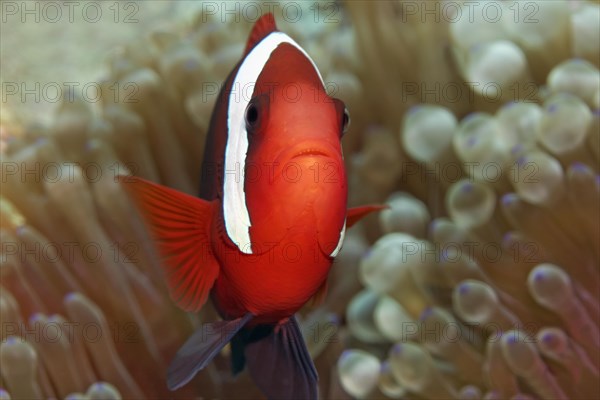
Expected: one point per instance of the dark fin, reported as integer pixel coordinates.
(201, 348)
(357, 213)
(239, 342)
(262, 27)
(238, 360)
(280, 364)
(180, 224)
(319, 297)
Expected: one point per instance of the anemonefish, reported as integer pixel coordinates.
(270, 219)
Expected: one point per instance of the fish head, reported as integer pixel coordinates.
(284, 135)
(291, 122)
(295, 173)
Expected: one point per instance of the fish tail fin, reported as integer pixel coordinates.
(201, 348)
(279, 363)
(181, 226)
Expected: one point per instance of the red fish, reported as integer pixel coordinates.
(270, 218)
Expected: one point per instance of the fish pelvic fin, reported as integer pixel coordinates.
(280, 365)
(201, 348)
(180, 225)
(357, 213)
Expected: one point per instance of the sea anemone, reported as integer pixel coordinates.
(485, 281)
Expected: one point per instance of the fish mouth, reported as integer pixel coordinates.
(310, 152)
(307, 150)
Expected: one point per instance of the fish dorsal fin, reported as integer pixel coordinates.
(262, 27)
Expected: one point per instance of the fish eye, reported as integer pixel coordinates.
(251, 115)
(345, 121)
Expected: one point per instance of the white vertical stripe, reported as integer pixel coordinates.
(340, 241)
(237, 218)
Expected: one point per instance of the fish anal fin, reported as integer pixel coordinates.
(280, 364)
(180, 225)
(205, 343)
(355, 214)
(263, 26)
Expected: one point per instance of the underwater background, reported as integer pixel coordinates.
(477, 122)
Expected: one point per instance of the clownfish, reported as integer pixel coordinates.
(270, 217)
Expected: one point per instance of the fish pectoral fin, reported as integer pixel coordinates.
(201, 348)
(280, 364)
(180, 225)
(355, 214)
